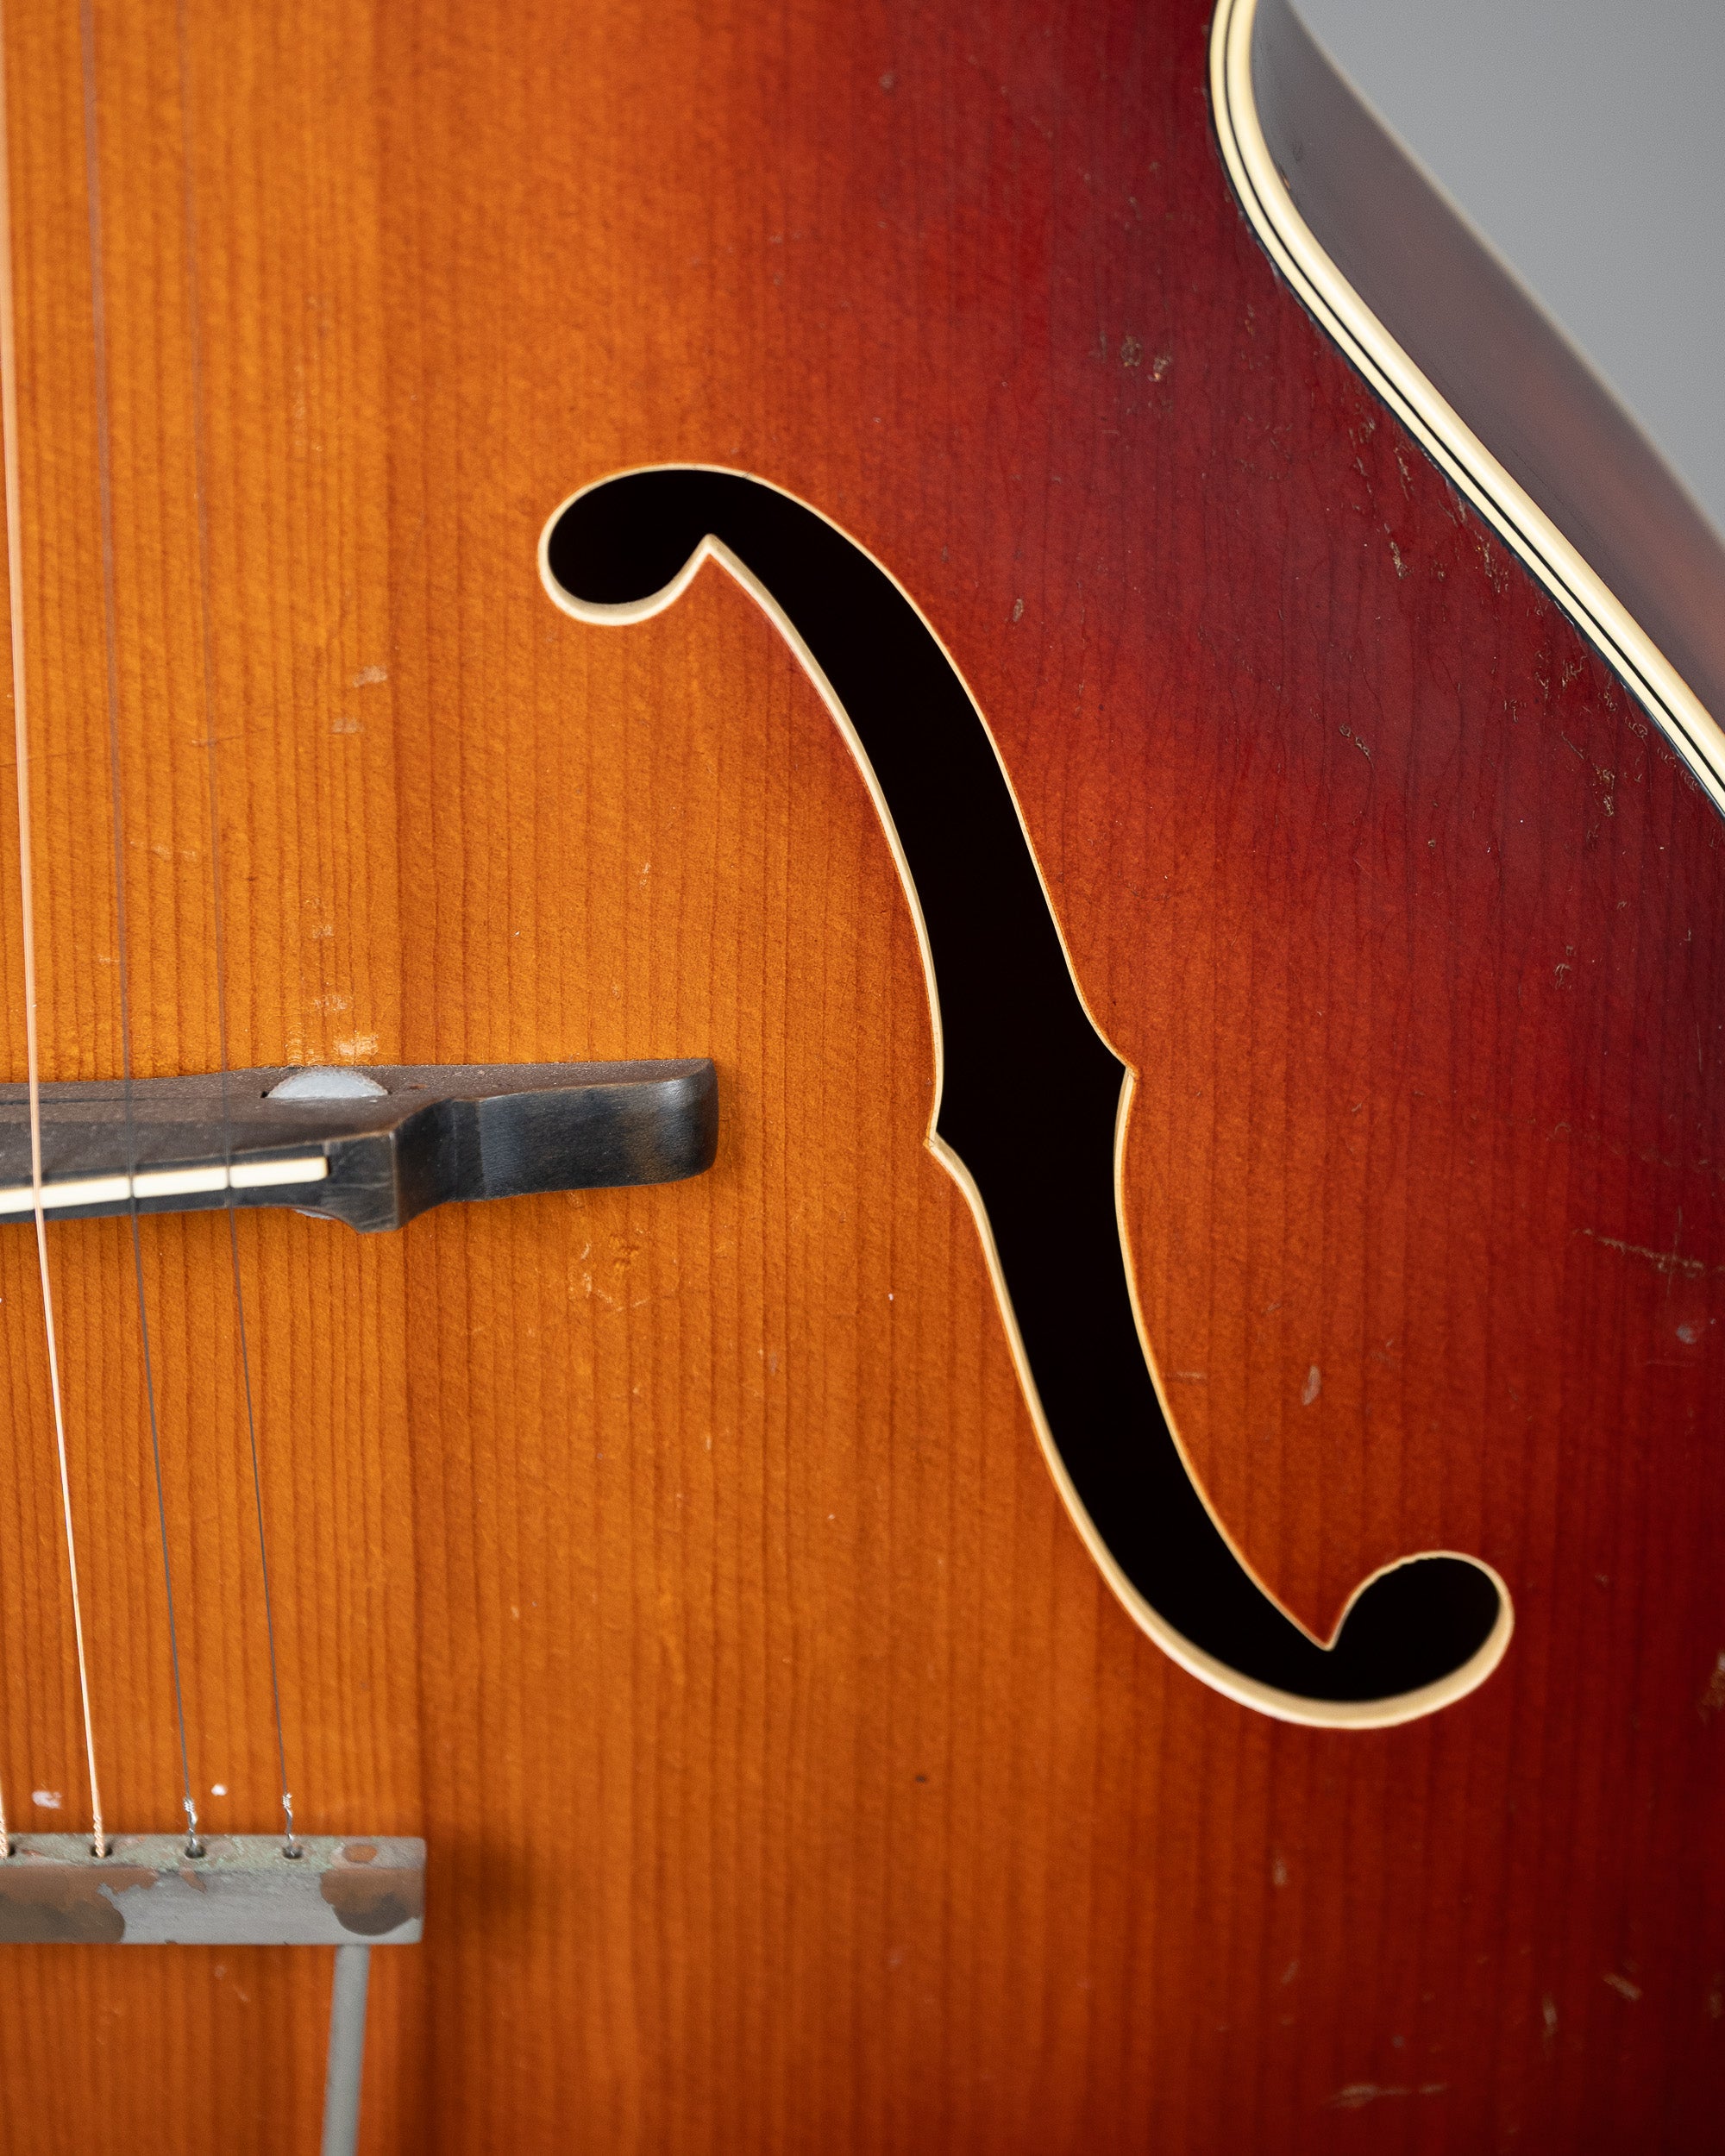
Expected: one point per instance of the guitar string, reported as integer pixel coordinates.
(201, 490)
(110, 629)
(14, 569)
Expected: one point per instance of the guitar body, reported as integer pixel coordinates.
(685, 1563)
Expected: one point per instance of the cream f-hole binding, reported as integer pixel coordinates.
(1029, 1104)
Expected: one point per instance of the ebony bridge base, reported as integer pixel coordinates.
(370, 1146)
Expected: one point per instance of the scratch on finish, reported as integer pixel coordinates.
(1661, 1260)
(1358, 2094)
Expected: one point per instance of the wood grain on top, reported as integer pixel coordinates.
(681, 1562)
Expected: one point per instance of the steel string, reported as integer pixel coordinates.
(15, 570)
(201, 488)
(110, 620)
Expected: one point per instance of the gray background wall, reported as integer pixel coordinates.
(1586, 139)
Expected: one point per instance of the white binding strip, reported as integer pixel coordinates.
(1428, 415)
(165, 1182)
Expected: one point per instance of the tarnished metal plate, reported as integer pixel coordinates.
(244, 1891)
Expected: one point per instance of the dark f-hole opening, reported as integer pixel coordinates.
(1032, 1093)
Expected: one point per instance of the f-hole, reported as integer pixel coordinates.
(1031, 1103)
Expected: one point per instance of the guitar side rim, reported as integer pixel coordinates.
(1479, 473)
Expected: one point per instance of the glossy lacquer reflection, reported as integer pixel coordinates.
(1030, 1104)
